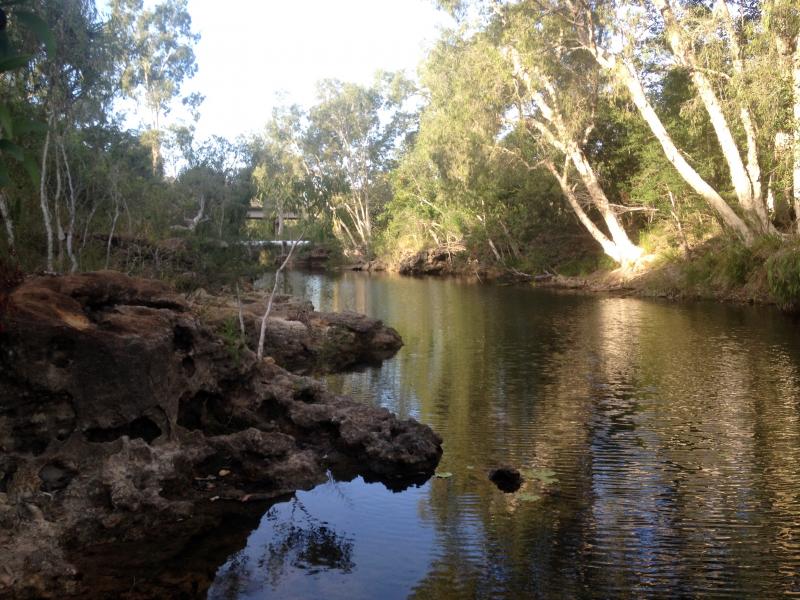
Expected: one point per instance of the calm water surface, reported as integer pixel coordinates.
(660, 444)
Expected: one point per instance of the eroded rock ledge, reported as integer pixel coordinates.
(131, 439)
(299, 338)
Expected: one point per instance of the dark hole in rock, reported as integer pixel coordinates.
(142, 428)
(307, 394)
(35, 421)
(507, 479)
(60, 351)
(32, 445)
(188, 366)
(55, 476)
(182, 338)
(7, 469)
(271, 410)
(190, 411)
(213, 413)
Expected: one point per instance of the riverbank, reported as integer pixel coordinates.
(768, 272)
(132, 433)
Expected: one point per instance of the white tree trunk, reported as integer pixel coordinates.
(6, 214)
(609, 247)
(262, 336)
(60, 235)
(48, 227)
(746, 181)
(73, 209)
(554, 131)
(796, 166)
(753, 168)
(627, 251)
(630, 79)
(111, 232)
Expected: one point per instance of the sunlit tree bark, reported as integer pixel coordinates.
(625, 72)
(748, 190)
(549, 121)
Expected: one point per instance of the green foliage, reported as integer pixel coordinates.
(155, 45)
(737, 261)
(585, 265)
(12, 58)
(783, 276)
(231, 335)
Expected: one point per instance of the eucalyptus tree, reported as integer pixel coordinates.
(214, 181)
(350, 141)
(706, 42)
(13, 58)
(73, 88)
(781, 19)
(157, 56)
(282, 174)
(556, 96)
(541, 91)
(446, 188)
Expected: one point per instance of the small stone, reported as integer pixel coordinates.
(224, 472)
(507, 479)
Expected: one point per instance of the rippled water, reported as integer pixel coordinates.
(660, 444)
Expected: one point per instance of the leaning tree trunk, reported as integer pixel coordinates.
(760, 203)
(628, 252)
(608, 245)
(554, 131)
(625, 71)
(631, 81)
(745, 188)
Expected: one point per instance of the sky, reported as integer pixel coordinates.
(252, 50)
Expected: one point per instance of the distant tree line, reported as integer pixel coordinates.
(639, 126)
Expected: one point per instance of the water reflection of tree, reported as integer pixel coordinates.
(674, 435)
(303, 542)
(673, 431)
(298, 541)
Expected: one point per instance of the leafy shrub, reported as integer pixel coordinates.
(736, 262)
(231, 335)
(783, 277)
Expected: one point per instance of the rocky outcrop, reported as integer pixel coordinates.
(368, 266)
(299, 338)
(131, 440)
(435, 261)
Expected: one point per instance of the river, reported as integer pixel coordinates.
(660, 445)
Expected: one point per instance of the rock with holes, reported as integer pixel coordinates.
(129, 433)
(435, 261)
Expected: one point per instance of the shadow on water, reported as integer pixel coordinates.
(660, 446)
